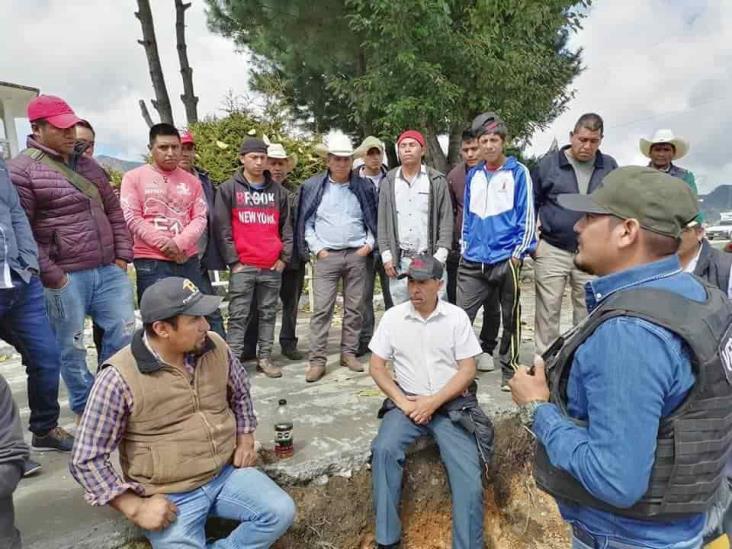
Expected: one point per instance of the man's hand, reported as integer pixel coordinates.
(322, 254)
(516, 262)
(171, 249)
(64, 281)
(237, 268)
(154, 513)
(279, 266)
(121, 263)
(245, 455)
(389, 269)
(528, 387)
(364, 250)
(424, 407)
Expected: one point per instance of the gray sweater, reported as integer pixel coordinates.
(13, 448)
(440, 215)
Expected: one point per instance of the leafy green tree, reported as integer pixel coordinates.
(380, 66)
(218, 141)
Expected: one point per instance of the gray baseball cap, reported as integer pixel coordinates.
(175, 296)
(423, 267)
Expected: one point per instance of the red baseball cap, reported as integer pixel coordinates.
(411, 134)
(53, 110)
(186, 137)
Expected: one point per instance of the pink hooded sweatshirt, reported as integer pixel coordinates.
(160, 205)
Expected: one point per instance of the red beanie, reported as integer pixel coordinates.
(411, 134)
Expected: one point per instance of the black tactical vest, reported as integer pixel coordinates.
(694, 442)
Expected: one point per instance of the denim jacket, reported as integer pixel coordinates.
(17, 246)
(626, 376)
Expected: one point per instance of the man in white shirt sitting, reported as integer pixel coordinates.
(433, 348)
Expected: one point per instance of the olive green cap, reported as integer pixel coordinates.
(660, 202)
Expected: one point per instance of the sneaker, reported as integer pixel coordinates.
(352, 363)
(486, 363)
(30, 468)
(314, 372)
(55, 439)
(268, 368)
(504, 383)
(363, 349)
(292, 353)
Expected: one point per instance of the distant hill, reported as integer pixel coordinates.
(717, 201)
(117, 164)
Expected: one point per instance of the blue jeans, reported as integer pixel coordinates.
(149, 271)
(459, 453)
(24, 325)
(247, 495)
(105, 294)
(398, 287)
(582, 539)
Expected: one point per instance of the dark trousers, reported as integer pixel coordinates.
(293, 282)
(9, 476)
(216, 321)
(24, 324)
(253, 288)
(491, 310)
(374, 268)
(149, 271)
(479, 283)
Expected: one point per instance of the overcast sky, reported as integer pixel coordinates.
(649, 64)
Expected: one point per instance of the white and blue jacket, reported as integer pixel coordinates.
(499, 220)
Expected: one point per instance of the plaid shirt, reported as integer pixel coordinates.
(105, 421)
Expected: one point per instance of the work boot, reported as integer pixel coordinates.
(485, 362)
(314, 372)
(352, 363)
(505, 378)
(55, 439)
(268, 368)
(292, 353)
(31, 467)
(363, 349)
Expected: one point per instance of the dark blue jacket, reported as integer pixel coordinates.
(310, 195)
(211, 259)
(552, 176)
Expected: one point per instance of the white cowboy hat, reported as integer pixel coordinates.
(681, 147)
(337, 144)
(276, 150)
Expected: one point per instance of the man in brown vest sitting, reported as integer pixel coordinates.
(176, 403)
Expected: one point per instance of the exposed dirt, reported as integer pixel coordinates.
(338, 515)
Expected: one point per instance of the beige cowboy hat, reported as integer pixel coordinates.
(681, 147)
(337, 144)
(369, 143)
(276, 150)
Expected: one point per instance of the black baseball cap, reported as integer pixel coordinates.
(488, 122)
(660, 202)
(175, 296)
(423, 267)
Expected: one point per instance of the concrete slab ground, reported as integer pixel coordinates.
(334, 423)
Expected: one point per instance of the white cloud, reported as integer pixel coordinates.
(86, 51)
(656, 64)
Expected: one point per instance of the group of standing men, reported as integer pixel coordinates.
(69, 238)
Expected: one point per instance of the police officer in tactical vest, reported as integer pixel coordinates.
(634, 422)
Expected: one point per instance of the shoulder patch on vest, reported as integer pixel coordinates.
(725, 353)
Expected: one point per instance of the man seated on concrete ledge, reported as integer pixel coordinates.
(183, 455)
(433, 349)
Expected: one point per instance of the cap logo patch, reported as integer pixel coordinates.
(191, 287)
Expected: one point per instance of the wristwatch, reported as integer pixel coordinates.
(528, 411)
